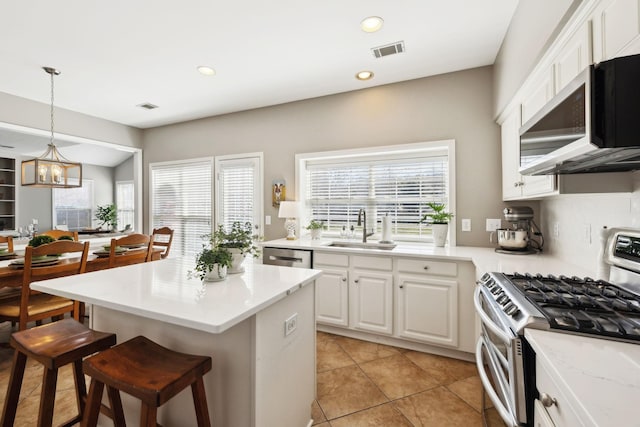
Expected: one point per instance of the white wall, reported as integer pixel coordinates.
(576, 214)
(450, 106)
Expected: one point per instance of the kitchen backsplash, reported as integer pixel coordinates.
(572, 224)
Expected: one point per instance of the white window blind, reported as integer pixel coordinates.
(73, 207)
(398, 185)
(125, 203)
(239, 186)
(181, 200)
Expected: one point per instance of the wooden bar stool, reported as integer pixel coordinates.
(54, 345)
(149, 372)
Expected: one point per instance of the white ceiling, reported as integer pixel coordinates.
(117, 54)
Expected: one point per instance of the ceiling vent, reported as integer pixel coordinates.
(147, 106)
(390, 49)
(6, 146)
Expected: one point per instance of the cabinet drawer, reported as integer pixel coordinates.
(372, 262)
(326, 258)
(427, 266)
(561, 413)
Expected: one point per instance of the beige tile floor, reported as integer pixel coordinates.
(358, 384)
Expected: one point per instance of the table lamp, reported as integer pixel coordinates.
(289, 210)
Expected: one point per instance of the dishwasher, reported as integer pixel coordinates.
(287, 257)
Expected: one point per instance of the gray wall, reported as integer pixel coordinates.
(533, 27)
(24, 112)
(451, 106)
(124, 171)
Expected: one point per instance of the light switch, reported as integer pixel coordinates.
(267, 220)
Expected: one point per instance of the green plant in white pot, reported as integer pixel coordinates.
(439, 221)
(107, 215)
(212, 264)
(239, 241)
(315, 228)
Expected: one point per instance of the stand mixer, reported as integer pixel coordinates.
(524, 236)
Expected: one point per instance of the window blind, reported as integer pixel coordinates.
(238, 191)
(73, 207)
(125, 203)
(397, 186)
(181, 200)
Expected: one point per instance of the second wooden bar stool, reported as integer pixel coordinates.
(149, 372)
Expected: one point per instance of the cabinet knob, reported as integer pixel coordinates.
(401, 286)
(355, 280)
(547, 400)
(426, 267)
(344, 279)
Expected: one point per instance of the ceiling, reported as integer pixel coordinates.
(115, 55)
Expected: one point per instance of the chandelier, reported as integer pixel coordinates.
(51, 169)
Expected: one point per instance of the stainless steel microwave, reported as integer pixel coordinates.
(592, 125)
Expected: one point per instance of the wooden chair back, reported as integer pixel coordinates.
(163, 237)
(33, 306)
(135, 255)
(56, 234)
(9, 241)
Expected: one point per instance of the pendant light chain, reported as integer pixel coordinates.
(51, 140)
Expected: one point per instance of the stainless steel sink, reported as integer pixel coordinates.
(360, 245)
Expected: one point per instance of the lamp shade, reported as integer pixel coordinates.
(288, 209)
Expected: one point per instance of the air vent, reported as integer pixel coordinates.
(147, 106)
(6, 146)
(390, 49)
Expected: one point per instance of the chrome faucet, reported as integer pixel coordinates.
(362, 215)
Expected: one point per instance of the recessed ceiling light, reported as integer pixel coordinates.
(364, 75)
(371, 24)
(207, 71)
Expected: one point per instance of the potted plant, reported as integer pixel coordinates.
(439, 220)
(40, 239)
(212, 264)
(315, 227)
(107, 215)
(239, 241)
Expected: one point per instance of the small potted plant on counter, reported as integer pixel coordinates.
(239, 241)
(439, 220)
(107, 215)
(315, 227)
(212, 264)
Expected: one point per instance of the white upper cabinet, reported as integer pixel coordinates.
(539, 94)
(574, 57)
(616, 29)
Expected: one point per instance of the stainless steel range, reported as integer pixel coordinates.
(509, 303)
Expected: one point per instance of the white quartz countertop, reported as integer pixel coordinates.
(485, 259)
(162, 291)
(600, 377)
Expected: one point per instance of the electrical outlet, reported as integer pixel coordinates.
(466, 224)
(556, 230)
(586, 233)
(290, 324)
(267, 220)
(493, 224)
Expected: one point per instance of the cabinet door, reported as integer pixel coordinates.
(538, 95)
(540, 416)
(574, 57)
(371, 301)
(427, 309)
(616, 29)
(332, 303)
(511, 183)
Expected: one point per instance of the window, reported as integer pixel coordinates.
(239, 190)
(125, 203)
(397, 181)
(180, 199)
(73, 207)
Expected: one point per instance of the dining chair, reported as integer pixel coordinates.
(9, 241)
(163, 236)
(56, 234)
(41, 263)
(138, 248)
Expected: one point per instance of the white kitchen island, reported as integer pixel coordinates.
(262, 376)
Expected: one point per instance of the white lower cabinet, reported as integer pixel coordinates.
(427, 309)
(421, 300)
(540, 416)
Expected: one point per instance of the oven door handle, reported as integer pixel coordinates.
(486, 319)
(505, 414)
